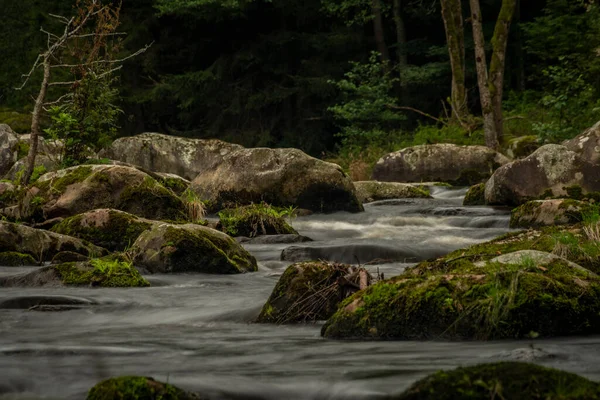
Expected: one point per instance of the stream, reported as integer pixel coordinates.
(195, 330)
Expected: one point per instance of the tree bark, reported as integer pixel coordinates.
(455, 37)
(489, 123)
(400, 34)
(378, 30)
(35, 122)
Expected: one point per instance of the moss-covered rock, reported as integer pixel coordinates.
(138, 388)
(522, 146)
(8, 194)
(83, 188)
(42, 244)
(254, 220)
(538, 213)
(174, 182)
(368, 191)
(112, 229)
(308, 291)
(67, 256)
(469, 294)
(8, 147)
(14, 259)
(101, 272)
(503, 380)
(475, 196)
(190, 248)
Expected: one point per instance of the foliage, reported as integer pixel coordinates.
(195, 207)
(256, 219)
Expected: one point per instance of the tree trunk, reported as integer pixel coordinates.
(378, 30)
(496, 75)
(400, 35)
(35, 122)
(519, 53)
(455, 37)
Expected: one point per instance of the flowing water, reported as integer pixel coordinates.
(195, 330)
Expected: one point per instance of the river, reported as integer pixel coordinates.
(195, 330)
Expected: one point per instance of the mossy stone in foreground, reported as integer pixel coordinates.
(475, 196)
(254, 220)
(104, 272)
(14, 259)
(538, 213)
(138, 388)
(503, 380)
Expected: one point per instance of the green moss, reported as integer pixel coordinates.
(14, 259)
(178, 186)
(103, 272)
(75, 175)
(137, 388)
(255, 219)
(569, 212)
(22, 149)
(475, 196)
(150, 199)
(503, 380)
(442, 184)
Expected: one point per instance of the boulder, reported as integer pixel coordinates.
(522, 146)
(475, 196)
(8, 194)
(138, 388)
(502, 380)
(8, 144)
(83, 188)
(280, 177)
(96, 272)
(190, 248)
(174, 182)
(308, 291)
(42, 163)
(163, 153)
(368, 191)
(112, 229)
(254, 220)
(274, 239)
(538, 213)
(14, 259)
(457, 165)
(587, 144)
(551, 171)
(40, 244)
(474, 294)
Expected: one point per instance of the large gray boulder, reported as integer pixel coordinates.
(281, 177)
(551, 171)
(368, 191)
(163, 153)
(8, 144)
(587, 144)
(458, 165)
(537, 213)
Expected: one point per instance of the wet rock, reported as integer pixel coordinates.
(538, 213)
(138, 388)
(475, 196)
(274, 239)
(254, 220)
(41, 244)
(528, 354)
(457, 165)
(8, 144)
(112, 229)
(83, 188)
(96, 273)
(164, 153)
(551, 171)
(26, 302)
(305, 292)
(505, 380)
(474, 294)
(280, 177)
(190, 248)
(587, 144)
(369, 191)
(14, 259)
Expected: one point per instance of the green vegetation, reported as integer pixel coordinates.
(137, 388)
(256, 219)
(475, 196)
(104, 272)
(194, 206)
(14, 259)
(503, 380)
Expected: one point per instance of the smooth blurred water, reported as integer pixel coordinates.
(195, 330)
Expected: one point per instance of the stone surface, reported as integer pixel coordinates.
(587, 144)
(8, 143)
(368, 191)
(538, 213)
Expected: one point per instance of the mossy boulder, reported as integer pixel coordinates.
(307, 291)
(15, 259)
(43, 164)
(469, 294)
(157, 152)
(586, 144)
(368, 191)
(190, 248)
(8, 145)
(538, 213)
(174, 182)
(83, 188)
(42, 244)
(280, 177)
(475, 196)
(551, 171)
(138, 388)
(503, 380)
(254, 220)
(522, 146)
(8, 194)
(68, 256)
(104, 272)
(112, 229)
(457, 165)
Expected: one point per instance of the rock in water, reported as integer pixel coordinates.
(368, 191)
(457, 165)
(138, 388)
(280, 177)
